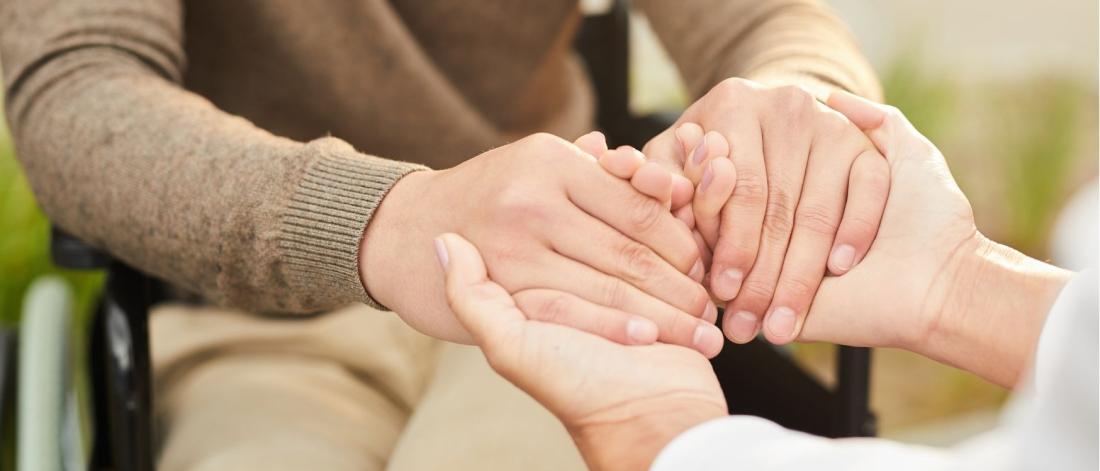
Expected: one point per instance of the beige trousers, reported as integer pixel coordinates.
(354, 389)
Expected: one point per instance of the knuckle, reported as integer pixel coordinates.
(546, 148)
(638, 263)
(751, 187)
(756, 290)
(516, 206)
(859, 224)
(544, 140)
(698, 300)
(798, 288)
(645, 214)
(873, 173)
(795, 101)
(732, 87)
(510, 255)
(833, 124)
(614, 292)
(816, 219)
(779, 215)
(554, 308)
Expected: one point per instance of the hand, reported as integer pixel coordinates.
(931, 283)
(557, 232)
(808, 194)
(621, 404)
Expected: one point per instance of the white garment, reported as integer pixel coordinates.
(1051, 424)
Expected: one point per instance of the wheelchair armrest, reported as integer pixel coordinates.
(72, 253)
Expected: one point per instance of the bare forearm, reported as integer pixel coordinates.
(995, 309)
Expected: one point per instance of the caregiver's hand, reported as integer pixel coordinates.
(808, 195)
(932, 283)
(621, 404)
(574, 245)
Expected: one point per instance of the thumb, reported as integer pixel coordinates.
(666, 150)
(593, 143)
(483, 307)
(886, 126)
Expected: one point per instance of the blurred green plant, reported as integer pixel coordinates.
(24, 244)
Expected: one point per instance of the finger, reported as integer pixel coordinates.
(623, 162)
(816, 220)
(633, 214)
(562, 308)
(786, 152)
(864, 113)
(654, 181)
(649, 178)
(594, 243)
(682, 191)
(712, 146)
(868, 189)
(889, 129)
(593, 143)
(674, 326)
(742, 217)
(666, 150)
(483, 307)
(686, 215)
(715, 188)
(704, 250)
(688, 135)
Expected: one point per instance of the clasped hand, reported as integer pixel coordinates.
(744, 201)
(623, 404)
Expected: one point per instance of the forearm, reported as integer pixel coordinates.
(797, 42)
(996, 304)
(165, 181)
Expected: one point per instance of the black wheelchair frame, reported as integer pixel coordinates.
(757, 378)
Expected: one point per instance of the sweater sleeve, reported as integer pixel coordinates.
(770, 41)
(120, 155)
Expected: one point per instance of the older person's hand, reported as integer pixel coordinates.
(621, 404)
(808, 196)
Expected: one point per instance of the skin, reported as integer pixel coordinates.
(961, 299)
(806, 190)
(623, 251)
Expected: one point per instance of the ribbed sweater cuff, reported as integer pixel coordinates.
(322, 228)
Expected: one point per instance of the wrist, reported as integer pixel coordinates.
(388, 235)
(632, 441)
(995, 303)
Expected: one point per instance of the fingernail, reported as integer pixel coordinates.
(441, 252)
(843, 256)
(708, 176)
(728, 284)
(680, 137)
(707, 340)
(696, 272)
(641, 331)
(741, 326)
(710, 314)
(781, 322)
(700, 151)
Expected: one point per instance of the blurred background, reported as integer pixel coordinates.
(1007, 89)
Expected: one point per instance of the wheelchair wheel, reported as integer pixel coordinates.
(48, 423)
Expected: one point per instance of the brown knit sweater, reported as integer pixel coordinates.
(214, 143)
